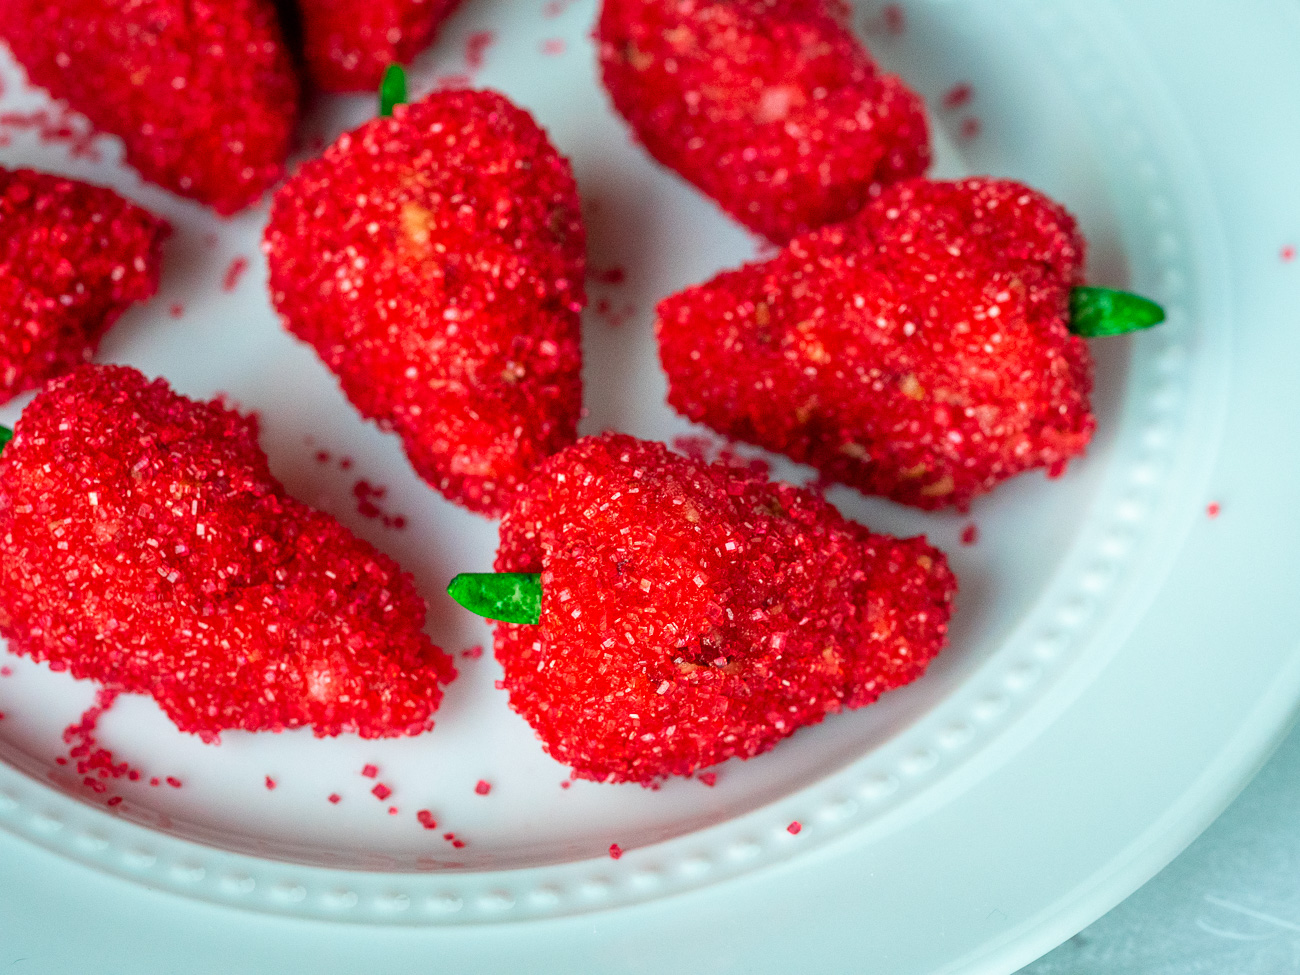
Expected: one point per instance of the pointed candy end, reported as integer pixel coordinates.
(392, 90)
(511, 597)
(1095, 312)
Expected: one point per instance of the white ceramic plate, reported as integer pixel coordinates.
(1069, 626)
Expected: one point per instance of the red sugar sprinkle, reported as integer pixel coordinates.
(322, 456)
(335, 798)
(270, 782)
(957, 96)
(174, 782)
(615, 851)
(553, 8)
(1212, 509)
(448, 836)
(234, 271)
(472, 653)
(370, 771)
(970, 534)
(392, 810)
(63, 762)
(483, 788)
(176, 310)
(54, 126)
(1288, 253)
(794, 828)
(615, 275)
(113, 801)
(6, 671)
(708, 778)
(345, 463)
(426, 819)
(566, 784)
(970, 128)
(155, 781)
(553, 46)
(476, 47)
(458, 844)
(381, 791)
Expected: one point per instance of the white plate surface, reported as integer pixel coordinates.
(1089, 716)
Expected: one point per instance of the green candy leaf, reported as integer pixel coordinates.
(5, 436)
(392, 90)
(512, 597)
(1095, 312)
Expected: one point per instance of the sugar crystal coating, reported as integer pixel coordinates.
(920, 351)
(202, 92)
(144, 544)
(347, 45)
(774, 109)
(73, 257)
(435, 260)
(693, 613)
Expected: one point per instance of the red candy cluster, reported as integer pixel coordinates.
(73, 257)
(771, 107)
(693, 613)
(145, 545)
(920, 351)
(435, 260)
(347, 44)
(202, 92)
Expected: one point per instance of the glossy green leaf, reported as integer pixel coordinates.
(512, 597)
(1095, 312)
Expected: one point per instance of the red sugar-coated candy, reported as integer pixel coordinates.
(692, 612)
(774, 109)
(920, 351)
(202, 92)
(73, 257)
(144, 544)
(347, 45)
(435, 260)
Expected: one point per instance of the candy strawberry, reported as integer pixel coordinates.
(775, 110)
(201, 92)
(73, 257)
(435, 260)
(694, 613)
(922, 351)
(147, 546)
(348, 45)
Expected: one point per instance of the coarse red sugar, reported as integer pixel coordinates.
(426, 819)
(381, 791)
(482, 788)
(370, 771)
(970, 534)
(794, 828)
(615, 851)
(234, 272)
(270, 782)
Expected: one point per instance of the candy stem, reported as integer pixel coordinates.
(392, 90)
(1095, 312)
(5, 436)
(512, 597)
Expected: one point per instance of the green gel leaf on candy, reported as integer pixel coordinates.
(392, 90)
(1095, 312)
(5, 436)
(512, 597)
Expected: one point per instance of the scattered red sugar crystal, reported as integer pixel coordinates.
(426, 819)
(148, 547)
(615, 851)
(90, 758)
(708, 778)
(694, 613)
(970, 128)
(957, 96)
(347, 46)
(172, 781)
(113, 801)
(155, 781)
(566, 784)
(614, 275)
(270, 782)
(794, 828)
(2, 716)
(203, 96)
(73, 258)
(392, 810)
(970, 534)
(234, 271)
(472, 653)
(457, 219)
(322, 457)
(925, 354)
(176, 310)
(449, 836)
(381, 791)
(776, 111)
(335, 798)
(553, 46)
(1288, 253)
(53, 126)
(370, 771)
(458, 844)
(553, 8)
(1212, 509)
(6, 671)
(483, 788)
(476, 46)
